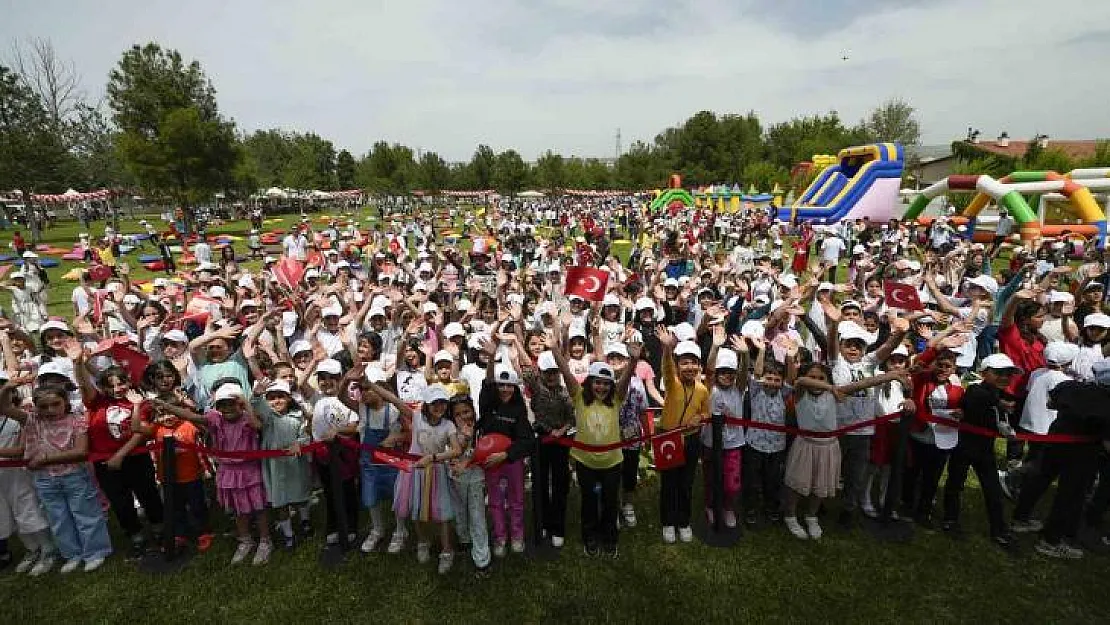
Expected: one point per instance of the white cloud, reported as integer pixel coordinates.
(564, 74)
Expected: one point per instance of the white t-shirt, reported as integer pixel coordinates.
(203, 252)
(330, 414)
(1036, 416)
(428, 438)
(730, 402)
(831, 249)
(81, 301)
(862, 405)
(295, 246)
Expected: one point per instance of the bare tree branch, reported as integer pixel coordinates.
(53, 80)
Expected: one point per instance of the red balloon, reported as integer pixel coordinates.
(490, 444)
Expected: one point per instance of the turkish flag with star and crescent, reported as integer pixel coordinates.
(669, 450)
(586, 282)
(898, 295)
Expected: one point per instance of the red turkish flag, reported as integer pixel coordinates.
(133, 362)
(669, 450)
(898, 295)
(288, 272)
(587, 283)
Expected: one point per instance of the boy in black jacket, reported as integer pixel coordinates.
(983, 405)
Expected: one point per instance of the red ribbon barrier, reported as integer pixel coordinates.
(1021, 436)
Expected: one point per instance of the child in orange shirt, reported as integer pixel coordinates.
(190, 504)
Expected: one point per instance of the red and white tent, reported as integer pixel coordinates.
(73, 196)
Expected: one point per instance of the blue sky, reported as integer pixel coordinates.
(565, 74)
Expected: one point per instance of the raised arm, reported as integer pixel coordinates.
(573, 387)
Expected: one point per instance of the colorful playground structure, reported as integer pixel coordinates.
(864, 183)
(721, 198)
(1041, 187)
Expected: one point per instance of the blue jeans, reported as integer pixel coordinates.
(76, 518)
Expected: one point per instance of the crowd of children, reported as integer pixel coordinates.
(491, 373)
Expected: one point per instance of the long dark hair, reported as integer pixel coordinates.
(1026, 310)
(156, 369)
(588, 397)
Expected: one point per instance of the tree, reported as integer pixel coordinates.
(510, 173)
(432, 173)
(764, 175)
(311, 164)
(54, 81)
(173, 139)
(551, 172)
(32, 156)
(893, 120)
(481, 167)
(797, 140)
(345, 170)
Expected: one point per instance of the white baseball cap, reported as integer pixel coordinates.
(788, 280)
(299, 346)
(443, 355)
(453, 329)
(248, 303)
(54, 324)
(1060, 296)
(618, 349)
(175, 336)
(505, 374)
(546, 362)
(430, 307)
(375, 374)
(727, 359)
(644, 303)
(687, 348)
(985, 282)
(54, 367)
(227, 391)
(463, 305)
(850, 330)
(1060, 352)
(279, 386)
(753, 328)
(826, 286)
(217, 291)
(601, 371)
(332, 311)
(1096, 320)
(999, 362)
(434, 393)
(610, 300)
(329, 366)
(684, 332)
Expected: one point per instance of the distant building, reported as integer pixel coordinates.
(926, 164)
(1014, 149)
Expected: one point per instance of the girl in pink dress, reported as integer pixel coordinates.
(239, 488)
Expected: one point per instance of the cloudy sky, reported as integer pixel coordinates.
(565, 74)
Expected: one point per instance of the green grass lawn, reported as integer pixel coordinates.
(767, 576)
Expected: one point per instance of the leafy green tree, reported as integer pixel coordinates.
(345, 170)
(551, 172)
(172, 137)
(33, 157)
(482, 166)
(893, 120)
(797, 140)
(510, 173)
(764, 175)
(432, 173)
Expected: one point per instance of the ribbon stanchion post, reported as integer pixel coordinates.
(539, 545)
(169, 558)
(335, 554)
(717, 533)
(886, 527)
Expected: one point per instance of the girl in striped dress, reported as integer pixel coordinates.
(423, 494)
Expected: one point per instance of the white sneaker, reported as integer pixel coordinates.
(397, 542)
(446, 559)
(813, 527)
(371, 542)
(423, 552)
(629, 514)
(242, 551)
(262, 556)
(709, 516)
(70, 566)
(730, 519)
(1060, 550)
(43, 566)
(668, 534)
(869, 510)
(557, 541)
(499, 550)
(518, 546)
(1026, 526)
(685, 534)
(795, 528)
(94, 564)
(27, 562)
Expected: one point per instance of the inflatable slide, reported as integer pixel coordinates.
(864, 183)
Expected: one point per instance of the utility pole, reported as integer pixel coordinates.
(618, 156)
